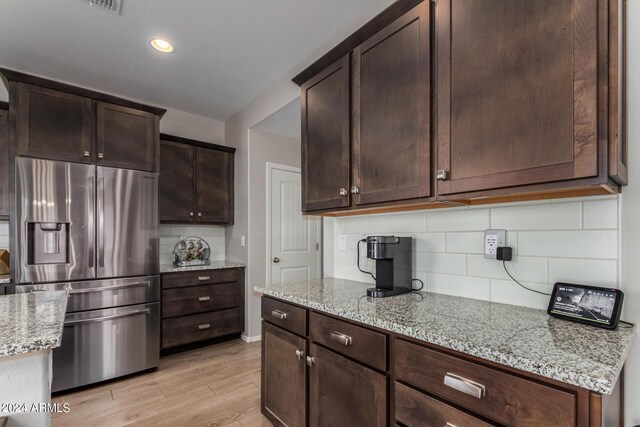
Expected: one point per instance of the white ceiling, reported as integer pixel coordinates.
(227, 52)
(286, 121)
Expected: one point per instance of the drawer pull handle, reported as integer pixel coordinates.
(204, 278)
(201, 299)
(341, 338)
(450, 425)
(204, 326)
(280, 315)
(464, 385)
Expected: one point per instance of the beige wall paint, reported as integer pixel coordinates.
(630, 212)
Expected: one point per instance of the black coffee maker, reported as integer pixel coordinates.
(394, 265)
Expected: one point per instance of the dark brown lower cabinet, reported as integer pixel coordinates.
(344, 393)
(201, 305)
(315, 374)
(284, 376)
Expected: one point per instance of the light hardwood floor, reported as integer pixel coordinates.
(213, 386)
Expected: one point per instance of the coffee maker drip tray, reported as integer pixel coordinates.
(382, 292)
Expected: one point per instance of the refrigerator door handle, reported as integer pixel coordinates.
(144, 284)
(105, 318)
(91, 218)
(100, 216)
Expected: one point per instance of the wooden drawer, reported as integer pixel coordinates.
(285, 315)
(198, 299)
(413, 408)
(361, 344)
(507, 399)
(201, 277)
(198, 327)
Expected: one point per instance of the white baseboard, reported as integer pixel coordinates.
(250, 339)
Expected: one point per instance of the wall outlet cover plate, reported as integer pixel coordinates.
(493, 239)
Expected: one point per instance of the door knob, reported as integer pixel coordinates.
(276, 260)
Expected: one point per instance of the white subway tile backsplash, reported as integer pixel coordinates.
(571, 240)
(552, 216)
(509, 292)
(601, 214)
(170, 234)
(4, 234)
(429, 242)
(461, 286)
(588, 272)
(522, 268)
(440, 263)
(458, 220)
(601, 244)
(399, 223)
(467, 243)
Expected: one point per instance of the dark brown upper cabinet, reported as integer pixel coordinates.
(517, 93)
(4, 162)
(126, 137)
(325, 138)
(54, 125)
(214, 186)
(177, 182)
(470, 102)
(391, 112)
(57, 121)
(196, 181)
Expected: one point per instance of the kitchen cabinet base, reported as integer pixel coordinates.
(196, 345)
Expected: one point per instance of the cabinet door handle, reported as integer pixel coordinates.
(87, 154)
(101, 155)
(311, 360)
(442, 175)
(280, 315)
(299, 354)
(199, 214)
(341, 338)
(355, 190)
(464, 385)
(201, 278)
(343, 192)
(201, 299)
(190, 213)
(204, 326)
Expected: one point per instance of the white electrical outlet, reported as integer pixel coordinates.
(493, 239)
(243, 241)
(342, 242)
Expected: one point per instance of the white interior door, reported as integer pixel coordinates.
(295, 240)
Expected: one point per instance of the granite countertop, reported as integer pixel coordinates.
(5, 279)
(213, 265)
(31, 322)
(519, 337)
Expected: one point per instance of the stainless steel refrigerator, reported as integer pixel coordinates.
(94, 232)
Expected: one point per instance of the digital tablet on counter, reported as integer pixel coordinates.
(591, 305)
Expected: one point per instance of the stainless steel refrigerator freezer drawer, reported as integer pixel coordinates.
(99, 294)
(103, 344)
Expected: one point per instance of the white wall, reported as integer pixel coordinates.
(214, 235)
(187, 125)
(630, 235)
(570, 240)
(263, 147)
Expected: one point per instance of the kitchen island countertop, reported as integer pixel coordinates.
(519, 337)
(31, 322)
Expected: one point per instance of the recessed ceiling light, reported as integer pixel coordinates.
(161, 45)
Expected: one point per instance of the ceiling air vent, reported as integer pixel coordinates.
(112, 6)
